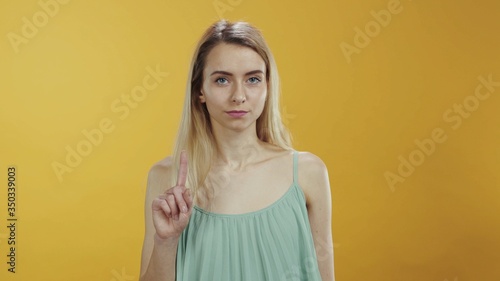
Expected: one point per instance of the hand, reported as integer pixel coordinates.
(172, 209)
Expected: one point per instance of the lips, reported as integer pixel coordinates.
(237, 113)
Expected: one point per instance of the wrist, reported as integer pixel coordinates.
(167, 241)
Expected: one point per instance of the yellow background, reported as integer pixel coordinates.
(441, 223)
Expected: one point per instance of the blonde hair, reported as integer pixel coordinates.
(195, 130)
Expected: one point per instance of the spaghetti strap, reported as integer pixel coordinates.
(295, 164)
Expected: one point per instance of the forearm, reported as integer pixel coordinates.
(326, 269)
(161, 265)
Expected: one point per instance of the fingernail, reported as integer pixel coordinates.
(184, 209)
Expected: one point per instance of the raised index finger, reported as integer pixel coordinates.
(183, 167)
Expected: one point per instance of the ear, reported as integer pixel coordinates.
(202, 96)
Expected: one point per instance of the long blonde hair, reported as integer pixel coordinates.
(195, 130)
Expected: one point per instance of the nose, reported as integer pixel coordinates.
(239, 95)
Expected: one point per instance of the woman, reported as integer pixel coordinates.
(235, 201)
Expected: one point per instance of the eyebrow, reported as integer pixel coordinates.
(230, 74)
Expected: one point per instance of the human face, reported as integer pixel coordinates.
(234, 87)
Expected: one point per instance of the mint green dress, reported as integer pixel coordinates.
(274, 243)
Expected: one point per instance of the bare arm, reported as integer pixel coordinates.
(165, 220)
(313, 178)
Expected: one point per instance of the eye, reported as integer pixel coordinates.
(221, 81)
(254, 80)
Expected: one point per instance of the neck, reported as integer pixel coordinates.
(236, 150)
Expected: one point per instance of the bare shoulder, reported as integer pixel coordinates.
(161, 166)
(312, 176)
(159, 175)
(309, 158)
(310, 163)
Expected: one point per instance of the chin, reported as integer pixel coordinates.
(240, 127)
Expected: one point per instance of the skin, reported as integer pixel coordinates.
(234, 79)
